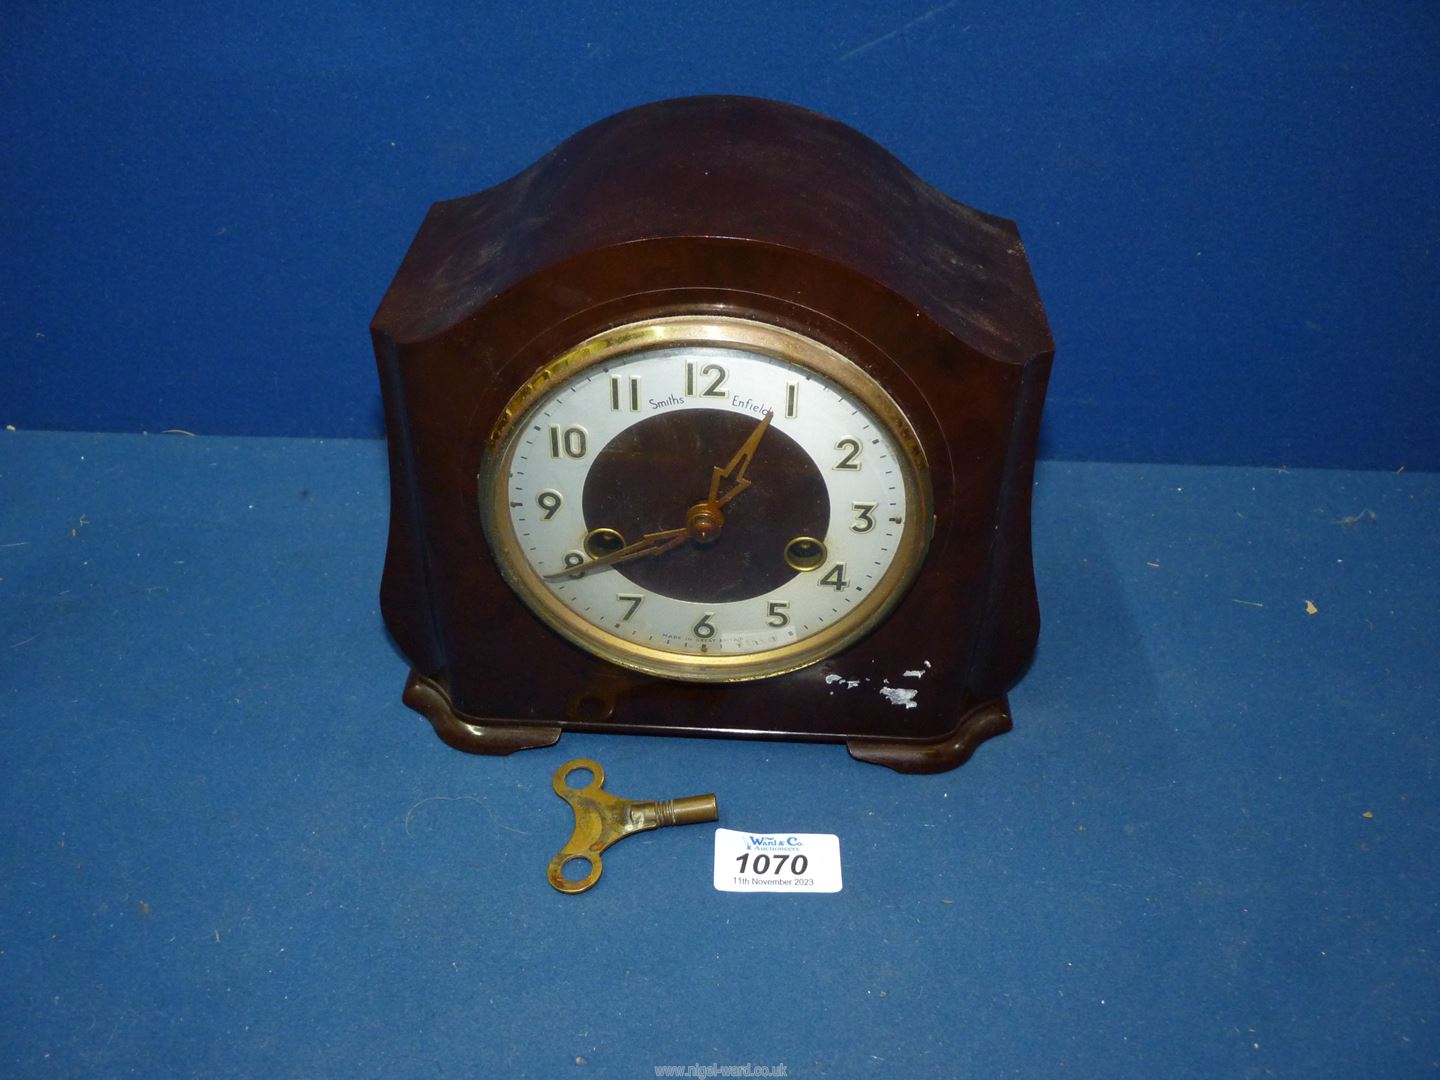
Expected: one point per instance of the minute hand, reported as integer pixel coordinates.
(738, 464)
(655, 543)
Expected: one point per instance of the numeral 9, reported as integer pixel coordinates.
(550, 501)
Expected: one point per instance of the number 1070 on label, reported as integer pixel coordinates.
(772, 864)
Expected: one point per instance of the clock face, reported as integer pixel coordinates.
(706, 498)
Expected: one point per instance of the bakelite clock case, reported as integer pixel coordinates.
(733, 209)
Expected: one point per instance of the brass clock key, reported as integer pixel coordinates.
(602, 819)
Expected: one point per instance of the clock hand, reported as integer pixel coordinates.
(702, 523)
(655, 543)
(738, 464)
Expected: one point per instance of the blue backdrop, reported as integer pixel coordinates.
(1231, 209)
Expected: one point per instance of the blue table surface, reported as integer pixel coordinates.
(1208, 848)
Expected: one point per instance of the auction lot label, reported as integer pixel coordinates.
(777, 862)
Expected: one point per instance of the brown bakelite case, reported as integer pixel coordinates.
(748, 208)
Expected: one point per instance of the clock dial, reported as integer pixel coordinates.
(706, 498)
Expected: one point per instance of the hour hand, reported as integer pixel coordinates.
(655, 543)
(735, 471)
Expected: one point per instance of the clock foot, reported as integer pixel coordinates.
(910, 756)
(469, 733)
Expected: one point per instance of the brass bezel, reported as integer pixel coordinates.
(723, 331)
